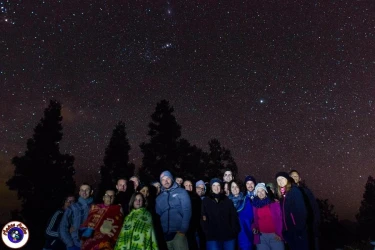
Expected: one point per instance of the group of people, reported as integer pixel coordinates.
(178, 214)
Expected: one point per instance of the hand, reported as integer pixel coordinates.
(255, 231)
(278, 238)
(71, 229)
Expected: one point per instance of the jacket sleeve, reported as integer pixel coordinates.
(64, 229)
(186, 211)
(53, 225)
(255, 221)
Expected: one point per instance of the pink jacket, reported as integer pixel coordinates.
(276, 218)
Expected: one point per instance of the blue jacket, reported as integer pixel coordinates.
(73, 217)
(174, 208)
(245, 215)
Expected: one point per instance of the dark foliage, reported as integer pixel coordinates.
(366, 215)
(43, 175)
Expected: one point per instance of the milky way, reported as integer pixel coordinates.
(283, 85)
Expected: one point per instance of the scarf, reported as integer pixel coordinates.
(87, 201)
(258, 203)
(238, 201)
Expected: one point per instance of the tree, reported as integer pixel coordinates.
(190, 161)
(116, 159)
(366, 215)
(161, 152)
(43, 176)
(218, 160)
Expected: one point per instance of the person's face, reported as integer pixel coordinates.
(109, 197)
(69, 201)
(216, 188)
(281, 181)
(250, 186)
(145, 191)
(295, 177)
(235, 189)
(226, 189)
(157, 185)
(261, 193)
(188, 186)
(85, 191)
(135, 181)
(166, 182)
(138, 201)
(200, 190)
(228, 176)
(121, 185)
(179, 181)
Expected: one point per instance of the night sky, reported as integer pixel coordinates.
(282, 84)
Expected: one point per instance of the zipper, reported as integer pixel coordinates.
(286, 227)
(291, 215)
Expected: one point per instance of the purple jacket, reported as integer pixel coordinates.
(276, 218)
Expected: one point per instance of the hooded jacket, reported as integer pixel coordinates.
(174, 208)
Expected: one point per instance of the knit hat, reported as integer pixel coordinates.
(200, 182)
(166, 173)
(250, 178)
(283, 174)
(260, 185)
(212, 181)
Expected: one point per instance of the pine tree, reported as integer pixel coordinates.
(190, 161)
(366, 215)
(116, 159)
(218, 160)
(43, 176)
(161, 152)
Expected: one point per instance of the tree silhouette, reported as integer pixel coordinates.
(366, 215)
(190, 161)
(42, 176)
(116, 159)
(218, 160)
(161, 152)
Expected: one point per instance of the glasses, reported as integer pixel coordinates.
(109, 196)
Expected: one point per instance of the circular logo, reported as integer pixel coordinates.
(15, 234)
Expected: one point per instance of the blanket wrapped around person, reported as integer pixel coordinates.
(137, 232)
(102, 227)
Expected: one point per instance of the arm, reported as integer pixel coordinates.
(64, 229)
(53, 225)
(186, 211)
(234, 218)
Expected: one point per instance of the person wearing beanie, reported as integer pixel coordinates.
(250, 183)
(219, 219)
(200, 189)
(267, 224)
(173, 205)
(245, 215)
(293, 212)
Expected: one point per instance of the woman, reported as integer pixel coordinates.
(293, 212)
(245, 214)
(137, 231)
(219, 219)
(267, 225)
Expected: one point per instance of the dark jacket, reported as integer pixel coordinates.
(219, 219)
(52, 232)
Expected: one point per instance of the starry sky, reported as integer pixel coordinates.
(282, 84)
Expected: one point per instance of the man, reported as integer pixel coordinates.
(74, 216)
(200, 189)
(123, 195)
(135, 180)
(174, 208)
(250, 183)
(53, 241)
(179, 181)
(313, 212)
(101, 228)
(228, 176)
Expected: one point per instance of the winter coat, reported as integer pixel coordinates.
(219, 219)
(52, 232)
(276, 218)
(174, 208)
(73, 217)
(246, 216)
